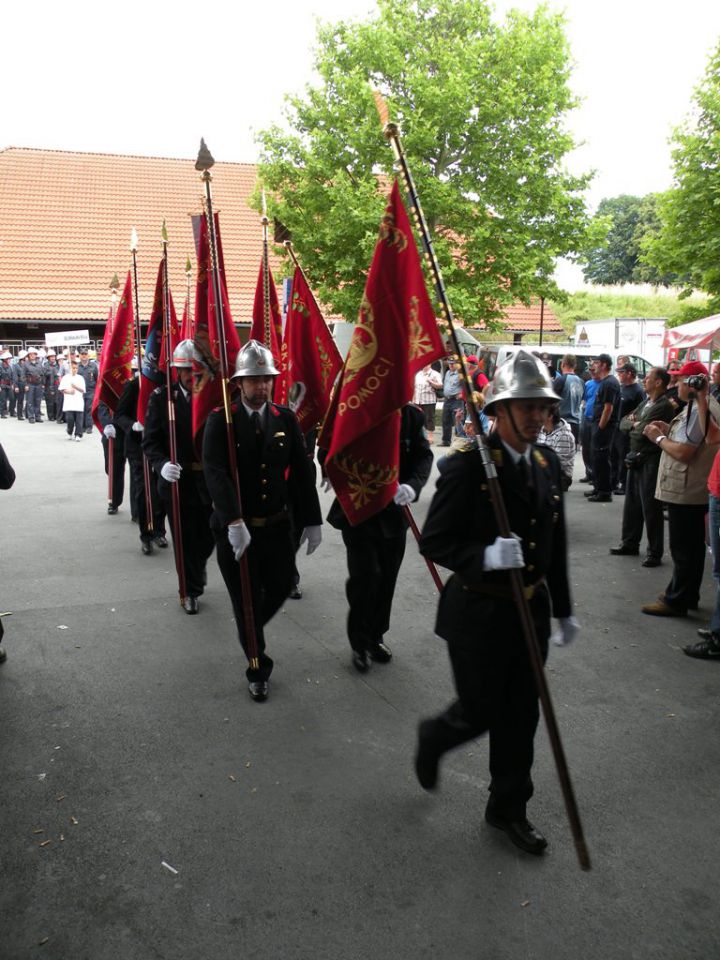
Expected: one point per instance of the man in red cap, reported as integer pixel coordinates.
(685, 464)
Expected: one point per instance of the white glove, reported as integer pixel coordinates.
(568, 629)
(171, 471)
(404, 495)
(313, 535)
(109, 431)
(505, 554)
(325, 485)
(138, 427)
(239, 537)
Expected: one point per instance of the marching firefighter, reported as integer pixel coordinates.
(195, 506)
(477, 615)
(272, 468)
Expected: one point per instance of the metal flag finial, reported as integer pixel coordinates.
(164, 233)
(115, 284)
(188, 266)
(205, 159)
(264, 219)
(133, 240)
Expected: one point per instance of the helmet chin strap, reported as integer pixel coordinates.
(518, 435)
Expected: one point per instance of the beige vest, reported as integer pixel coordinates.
(686, 483)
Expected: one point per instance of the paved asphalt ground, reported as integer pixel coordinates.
(180, 820)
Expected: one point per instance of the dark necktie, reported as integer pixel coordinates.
(524, 471)
(257, 427)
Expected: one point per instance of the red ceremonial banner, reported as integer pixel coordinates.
(117, 353)
(395, 336)
(207, 390)
(313, 360)
(103, 355)
(258, 331)
(150, 374)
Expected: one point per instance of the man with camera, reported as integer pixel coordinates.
(683, 471)
(642, 461)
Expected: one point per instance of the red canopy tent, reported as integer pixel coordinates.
(692, 337)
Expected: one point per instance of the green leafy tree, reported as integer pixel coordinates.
(482, 109)
(618, 259)
(688, 240)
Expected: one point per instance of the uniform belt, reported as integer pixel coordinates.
(268, 521)
(503, 591)
(194, 465)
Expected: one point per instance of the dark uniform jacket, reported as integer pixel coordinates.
(126, 416)
(51, 376)
(7, 474)
(19, 371)
(461, 524)
(34, 374)
(7, 374)
(156, 444)
(90, 373)
(266, 473)
(416, 461)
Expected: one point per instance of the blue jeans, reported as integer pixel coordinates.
(714, 531)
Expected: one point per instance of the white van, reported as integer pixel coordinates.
(494, 354)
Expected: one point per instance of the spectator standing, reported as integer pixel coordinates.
(685, 464)
(427, 383)
(452, 399)
(673, 368)
(715, 383)
(586, 424)
(631, 396)
(641, 508)
(571, 390)
(605, 420)
(557, 435)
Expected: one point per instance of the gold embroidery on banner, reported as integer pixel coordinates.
(325, 362)
(390, 233)
(419, 342)
(365, 480)
(363, 345)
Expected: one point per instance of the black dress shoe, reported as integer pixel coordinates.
(624, 552)
(600, 498)
(619, 491)
(161, 541)
(651, 562)
(705, 634)
(146, 547)
(191, 604)
(112, 510)
(426, 758)
(522, 833)
(589, 493)
(584, 480)
(295, 592)
(360, 661)
(258, 689)
(380, 653)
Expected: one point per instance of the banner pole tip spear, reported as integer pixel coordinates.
(205, 159)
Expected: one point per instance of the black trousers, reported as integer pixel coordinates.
(60, 404)
(7, 402)
(601, 444)
(33, 401)
(496, 694)
(618, 451)
(20, 403)
(687, 547)
(75, 418)
(373, 563)
(51, 403)
(88, 400)
(586, 432)
(641, 509)
(138, 503)
(119, 460)
(197, 538)
(271, 559)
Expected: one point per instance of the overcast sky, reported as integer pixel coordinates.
(151, 77)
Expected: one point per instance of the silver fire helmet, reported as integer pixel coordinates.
(521, 377)
(182, 357)
(254, 360)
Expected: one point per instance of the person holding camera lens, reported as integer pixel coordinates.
(685, 464)
(641, 509)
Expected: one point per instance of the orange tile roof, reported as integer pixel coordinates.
(521, 319)
(65, 223)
